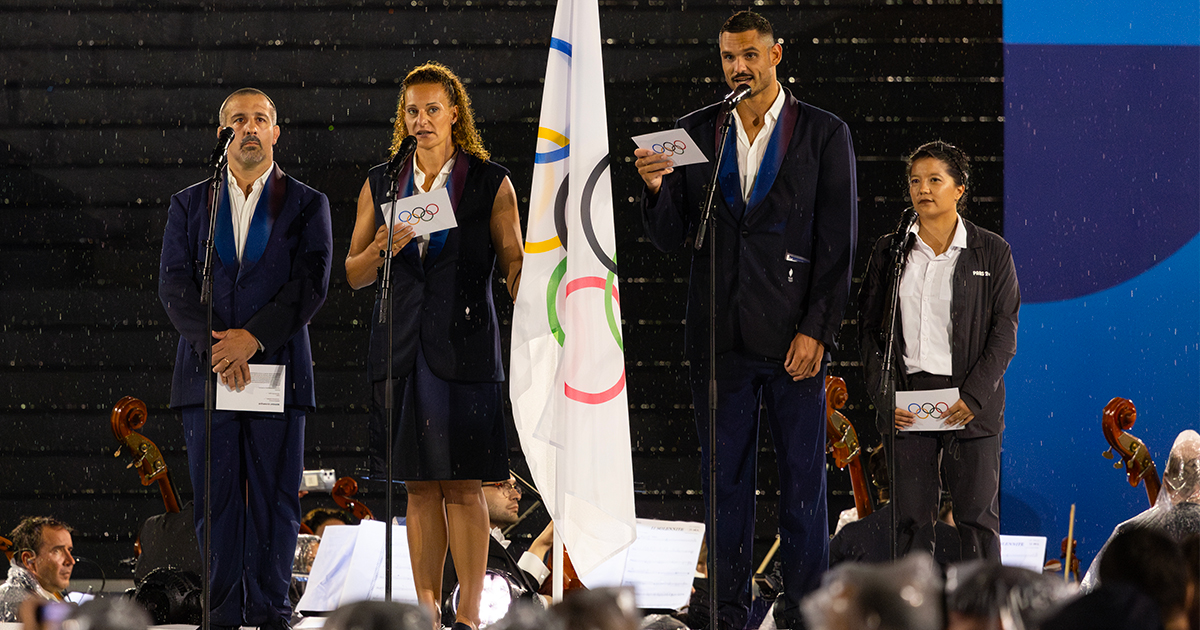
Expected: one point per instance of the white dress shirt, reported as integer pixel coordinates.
(750, 154)
(242, 206)
(528, 563)
(925, 292)
(438, 181)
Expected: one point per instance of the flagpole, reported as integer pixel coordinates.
(557, 563)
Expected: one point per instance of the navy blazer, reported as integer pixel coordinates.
(784, 263)
(273, 294)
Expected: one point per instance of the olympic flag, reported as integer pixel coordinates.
(567, 374)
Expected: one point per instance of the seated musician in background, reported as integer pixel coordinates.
(1144, 584)
(867, 540)
(529, 571)
(41, 564)
(1177, 511)
(316, 520)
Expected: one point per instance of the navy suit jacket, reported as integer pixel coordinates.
(273, 293)
(784, 260)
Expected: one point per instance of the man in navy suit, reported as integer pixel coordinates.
(785, 229)
(273, 246)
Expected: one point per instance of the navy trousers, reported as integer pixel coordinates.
(257, 461)
(796, 417)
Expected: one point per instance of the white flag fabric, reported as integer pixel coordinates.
(567, 373)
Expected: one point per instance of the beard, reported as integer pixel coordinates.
(254, 156)
(500, 516)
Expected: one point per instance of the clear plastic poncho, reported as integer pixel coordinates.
(1177, 510)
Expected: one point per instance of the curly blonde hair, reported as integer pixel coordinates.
(465, 135)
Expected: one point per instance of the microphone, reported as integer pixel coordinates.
(738, 94)
(904, 238)
(407, 146)
(223, 140)
(907, 220)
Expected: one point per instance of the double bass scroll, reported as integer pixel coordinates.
(1119, 416)
(129, 415)
(841, 441)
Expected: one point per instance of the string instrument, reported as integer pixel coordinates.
(570, 577)
(129, 415)
(6, 546)
(342, 491)
(1054, 566)
(841, 441)
(1119, 416)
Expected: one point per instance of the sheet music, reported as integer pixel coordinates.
(659, 565)
(662, 562)
(1027, 552)
(349, 567)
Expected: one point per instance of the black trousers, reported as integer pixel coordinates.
(972, 473)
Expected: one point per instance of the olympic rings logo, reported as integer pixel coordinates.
(928, 409)
(418, 214)
(676, 147)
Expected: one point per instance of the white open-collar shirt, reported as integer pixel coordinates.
(750, 154)
(926, 289)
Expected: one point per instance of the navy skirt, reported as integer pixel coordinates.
(443, 430)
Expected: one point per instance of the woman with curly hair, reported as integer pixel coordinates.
(445, 354)
(956, 326)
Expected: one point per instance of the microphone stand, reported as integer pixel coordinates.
(706, 218)
(385, 318)
(899, 251)
(210, 392)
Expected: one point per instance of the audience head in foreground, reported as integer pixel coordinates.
(983, 595)
(118, 613)
(906, 595)
(1143, 584)
(376, 615)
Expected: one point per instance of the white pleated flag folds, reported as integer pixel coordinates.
(567, 375)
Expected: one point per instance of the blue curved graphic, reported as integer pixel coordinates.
(1138, 340)
(1102, 208)
(1102, 167)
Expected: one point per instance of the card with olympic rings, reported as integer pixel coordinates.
(426, 212)
(928, 407)
(673, 143)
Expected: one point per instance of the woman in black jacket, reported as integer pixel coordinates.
(956, 327)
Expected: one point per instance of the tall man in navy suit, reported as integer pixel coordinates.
(786, 223)
(274, 248)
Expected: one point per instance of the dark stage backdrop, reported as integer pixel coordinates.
(111, 107)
